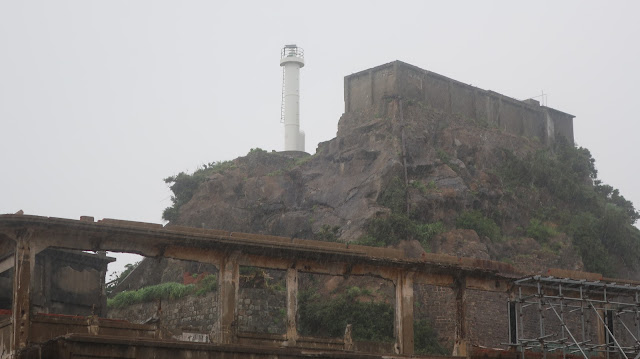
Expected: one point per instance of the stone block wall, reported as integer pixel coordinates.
(487, 318)
(437, 305)
(262, 310)
(193, 313)
(258, 310)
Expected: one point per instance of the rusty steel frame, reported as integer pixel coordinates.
(564, 295)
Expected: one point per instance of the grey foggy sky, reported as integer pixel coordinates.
(101, 100)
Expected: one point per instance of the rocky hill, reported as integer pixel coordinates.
(410, 176)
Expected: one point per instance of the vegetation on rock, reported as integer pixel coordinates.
(478, 222)
(371, 320)
(319, 316)
(595, 215)
(163, 291)
(390, 230)
(128, 268)
(184, 185)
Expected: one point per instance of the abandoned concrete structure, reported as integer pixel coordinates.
(64, 282)
(53, 303)
(25, 332)
(371, 89)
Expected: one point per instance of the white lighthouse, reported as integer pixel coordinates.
(291, 59)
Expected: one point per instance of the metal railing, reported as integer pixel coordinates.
(292, 51)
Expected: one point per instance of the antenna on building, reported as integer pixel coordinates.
(291, 60)
(542, 97)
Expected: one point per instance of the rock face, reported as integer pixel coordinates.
(450, 168)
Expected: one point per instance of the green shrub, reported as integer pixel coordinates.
(128, 268)
(443, 156)
(478, 222)
(394, 196)
(184, 185)
(328, 317)
(597, 218)
(208, 284)
(390, 230)
(164, 291)
(540, 231)
(585, 233)
(386, 231)
(427, 232)
(327, 233)
(425, 339)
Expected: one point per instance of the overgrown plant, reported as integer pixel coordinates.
(425, 339)
(327, 317)
(394, 196)
(164, 291)
(595, 215)
(540, 231)
(184, 185)
(128, 268)
(327, 233)
(484, 226)
(390, 230)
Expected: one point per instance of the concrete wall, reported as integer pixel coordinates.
(371, 88)
(69, 282)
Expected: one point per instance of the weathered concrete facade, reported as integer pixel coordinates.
(371, 89)
(64, 282)
(22, 329)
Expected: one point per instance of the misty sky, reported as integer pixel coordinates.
(101, 100)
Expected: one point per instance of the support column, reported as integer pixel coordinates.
(460, 347)
(228, 288)
(23, 270)
(292, 306)
(102, 312)
(404, 313)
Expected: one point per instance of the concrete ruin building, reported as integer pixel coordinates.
(52, 285)
(490, 304)
(371, 90)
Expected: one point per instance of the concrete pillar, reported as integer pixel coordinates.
(292, 306)
(404, 313)
(228, 292)
(460, 346)
(23, 270)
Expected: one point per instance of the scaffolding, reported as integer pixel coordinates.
(568, 310)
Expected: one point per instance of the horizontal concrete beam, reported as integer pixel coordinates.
(205, 245)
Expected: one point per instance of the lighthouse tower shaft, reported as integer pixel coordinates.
(292, 59)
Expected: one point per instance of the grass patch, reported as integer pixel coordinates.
(164, 291)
